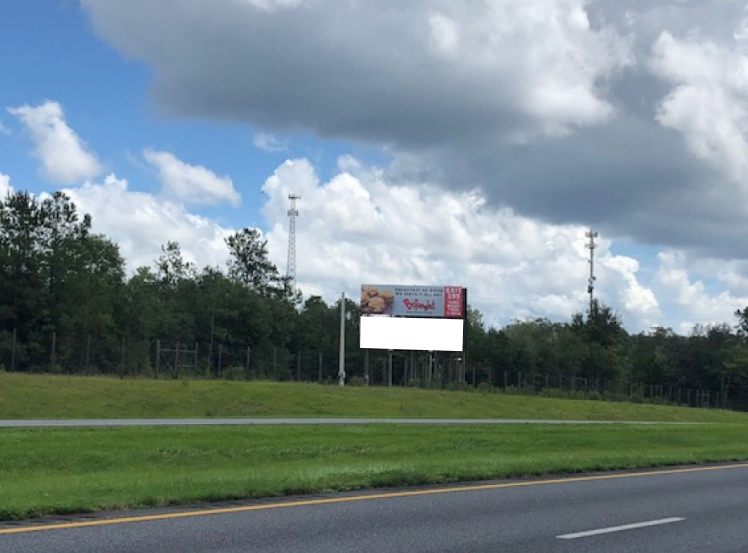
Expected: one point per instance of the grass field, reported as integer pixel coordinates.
(46, 471)
(24, 396)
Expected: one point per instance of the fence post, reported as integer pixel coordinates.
(519, 380)
(175, 374)
(275, 361)
(88, 355)
(53, 356)
(13, 350)
(158, 358)
(389, 369)
(505, 379)
(246, 370)
(220, 354)
(319, 368)
(122, 359)
(298, 366)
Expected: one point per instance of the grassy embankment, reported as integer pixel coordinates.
(45, 471)
(60, 397)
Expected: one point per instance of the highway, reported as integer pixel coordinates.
(683, 510)
(91, 423)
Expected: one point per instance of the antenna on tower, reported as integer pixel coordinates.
(291, 262)
(591, 234)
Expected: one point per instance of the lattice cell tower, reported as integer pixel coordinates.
(291, 262)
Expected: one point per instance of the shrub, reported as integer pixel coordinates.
(357, 381)
(233, 373)
(484, 388)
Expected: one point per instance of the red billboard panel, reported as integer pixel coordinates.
(445, 302)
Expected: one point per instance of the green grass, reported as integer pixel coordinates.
(24, 396)
(45, 471)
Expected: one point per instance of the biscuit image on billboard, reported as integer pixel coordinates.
(377, 304)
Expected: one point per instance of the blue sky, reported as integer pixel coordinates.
(50, 52)
(431, 144)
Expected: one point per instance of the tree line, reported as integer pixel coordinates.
(68, 306)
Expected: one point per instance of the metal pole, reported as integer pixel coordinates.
(319, 376)
(158, 357)
(341, 359)
(298, 366)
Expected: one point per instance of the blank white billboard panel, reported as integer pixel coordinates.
(411, 334)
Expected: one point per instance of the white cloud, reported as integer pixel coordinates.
(64, 156)
(4, 129)
(691, 301)
(270, 5)
(140, 223)
(5, 186)
(709, 99)
(511, 66)
(549, 107)
(191, 184)
(445, 35)
(359, 228)
(268, 142)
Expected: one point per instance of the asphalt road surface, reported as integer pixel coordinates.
(222, 422)
(702, 509)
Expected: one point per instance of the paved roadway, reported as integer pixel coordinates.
(703, 509)
(222, 422)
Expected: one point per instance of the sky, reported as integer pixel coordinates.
(434, 142)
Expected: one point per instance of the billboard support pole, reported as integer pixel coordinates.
(341, 360)
(466, 328)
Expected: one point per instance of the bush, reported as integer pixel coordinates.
(233, 373)
(554, 392)
(357, 381)
(594, 395)
(484, 388)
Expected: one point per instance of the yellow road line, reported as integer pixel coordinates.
(346, 499)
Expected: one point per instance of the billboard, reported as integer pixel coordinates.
(444, 302)
(422, 334)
